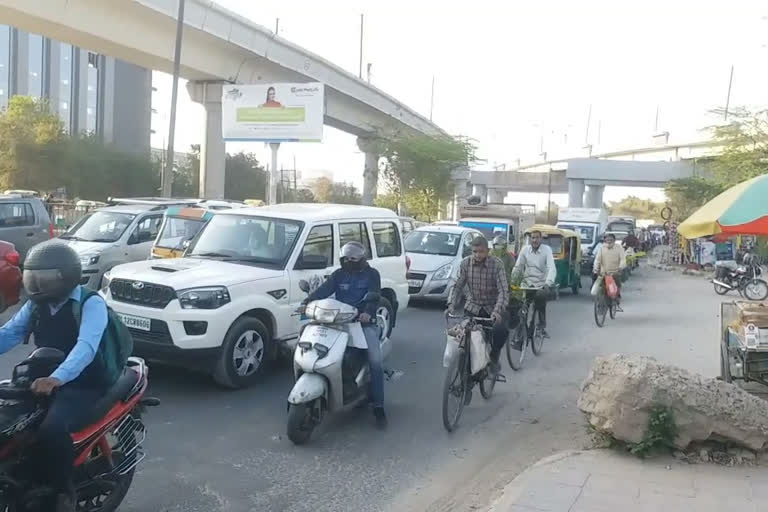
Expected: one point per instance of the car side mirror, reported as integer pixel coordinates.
(304, 286)
(133, 239)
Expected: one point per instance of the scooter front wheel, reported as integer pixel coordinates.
(300, 423)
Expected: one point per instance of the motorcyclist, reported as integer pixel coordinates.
(483, 278)
(535, 268)
(52, 273)
(350, 284)
(501, 251)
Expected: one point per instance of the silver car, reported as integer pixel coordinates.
(435, 253)
(114, 235)
(24, 222)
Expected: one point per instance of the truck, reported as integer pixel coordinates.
(494, 219)
(589, 223)
(621, 223)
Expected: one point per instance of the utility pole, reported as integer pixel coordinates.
(728, 98)
(589, 120)
(360, 74)
(277, 26)
(549, 196)
(656, 122)
(167, 179)
(432, 99)
(370, 64)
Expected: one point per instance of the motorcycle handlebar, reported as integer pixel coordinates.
(15, 393)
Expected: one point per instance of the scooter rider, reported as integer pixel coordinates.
(52, 273)
(350, 284)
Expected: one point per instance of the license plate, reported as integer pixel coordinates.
(415, 283)
(136, 322)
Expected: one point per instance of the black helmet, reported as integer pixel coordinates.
(52, 270)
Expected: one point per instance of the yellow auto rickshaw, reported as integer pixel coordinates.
(566, 250)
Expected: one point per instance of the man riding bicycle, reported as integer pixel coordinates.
(487, 289)
(536, 264)
(501, 251)
(610, 259)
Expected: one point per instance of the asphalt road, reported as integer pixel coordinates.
(211, 450)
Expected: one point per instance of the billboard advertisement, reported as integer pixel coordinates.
(273, 112)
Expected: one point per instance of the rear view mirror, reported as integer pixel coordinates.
(304, 286)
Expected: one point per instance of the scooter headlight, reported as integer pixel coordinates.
(321, 349)
(326, 316)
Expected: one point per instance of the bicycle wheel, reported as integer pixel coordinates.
(455, 390)
(487, 384)
(612, 309)
(536, 336)
(600, 310)
(517, 344)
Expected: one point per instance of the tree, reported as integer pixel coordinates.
(745, 147)
(687, 195)
(636, 207)
(543, 218)
(245, 177)
(301, 195)
(186, 176)
(424, 164)
(327, 191)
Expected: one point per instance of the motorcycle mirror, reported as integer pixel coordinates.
(304, 286)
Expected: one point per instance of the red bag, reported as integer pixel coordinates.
(611, 288)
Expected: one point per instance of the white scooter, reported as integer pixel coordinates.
(330, 365)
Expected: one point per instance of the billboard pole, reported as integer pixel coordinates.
(167, 176)
(272, 196)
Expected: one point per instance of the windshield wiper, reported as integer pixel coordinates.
(71, 237)
(103, 240)
(212, 255)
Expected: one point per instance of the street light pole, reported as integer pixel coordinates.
(360, 74)
(167, 180)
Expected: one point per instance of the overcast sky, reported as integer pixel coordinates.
(509, 73)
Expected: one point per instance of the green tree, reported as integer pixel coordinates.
(327, 191)
(745, 147)
(301, 195)
(637, 207)
(687, 195)
(245, 177)
(186, 175)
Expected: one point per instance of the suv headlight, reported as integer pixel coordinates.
(211, 297)
(443, 272)
(89, 259)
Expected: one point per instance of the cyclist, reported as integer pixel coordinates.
(535, 268)
(610, 259)
(501, 251)
(487, 290)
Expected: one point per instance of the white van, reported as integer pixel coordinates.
(230, 303)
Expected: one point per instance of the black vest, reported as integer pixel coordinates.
(60, 331)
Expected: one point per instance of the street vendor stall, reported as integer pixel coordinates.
(744, 341)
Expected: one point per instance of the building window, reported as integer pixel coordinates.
(35, 65)
(65, 84)
(93, 92)
(5, 64)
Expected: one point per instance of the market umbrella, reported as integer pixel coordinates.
(740, 210)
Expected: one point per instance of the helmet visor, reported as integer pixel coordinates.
(47, 282)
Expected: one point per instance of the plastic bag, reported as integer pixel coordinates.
(478, 352)
(595, 288)
(611, 288)
(451, 348)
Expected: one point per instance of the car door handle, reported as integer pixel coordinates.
(30, 234)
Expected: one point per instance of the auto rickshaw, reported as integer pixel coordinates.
(180, 225)
(566, 250)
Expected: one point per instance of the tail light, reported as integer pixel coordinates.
(13, 258)
(51, 231)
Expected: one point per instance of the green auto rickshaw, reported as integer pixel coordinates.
(566, 249)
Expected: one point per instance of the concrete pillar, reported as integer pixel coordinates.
(212, 150)
(594, 196)
(480, 191)
(460, 195)
(496, 195)
(370, 171)
(575, 193)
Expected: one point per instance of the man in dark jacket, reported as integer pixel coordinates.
(349, 285)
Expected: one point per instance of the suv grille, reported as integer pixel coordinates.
(144, 294)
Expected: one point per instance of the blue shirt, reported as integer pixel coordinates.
(351, 287)
(92, 326)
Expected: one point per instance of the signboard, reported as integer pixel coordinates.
(273, 112)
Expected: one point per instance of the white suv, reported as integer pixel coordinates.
(229, 305)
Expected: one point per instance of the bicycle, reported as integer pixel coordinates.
(459, 379)
(528, 331)
(604, 305)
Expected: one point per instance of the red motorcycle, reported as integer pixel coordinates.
(107, 450)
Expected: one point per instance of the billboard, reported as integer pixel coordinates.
(273, 112)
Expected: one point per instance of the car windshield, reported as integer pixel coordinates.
(433, 242)
(261, 241)
(100, 226)
(177, 230)
(585, 232)
(620, 225)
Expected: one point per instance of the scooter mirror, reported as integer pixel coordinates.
(304, 286)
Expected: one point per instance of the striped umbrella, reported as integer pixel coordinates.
(740, 210)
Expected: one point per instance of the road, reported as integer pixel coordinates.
(211, 450)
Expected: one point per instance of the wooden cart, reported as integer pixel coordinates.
(743, 348)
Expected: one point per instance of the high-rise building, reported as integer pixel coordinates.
(91, 93)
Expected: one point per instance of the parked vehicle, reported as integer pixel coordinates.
(492, 220)
(24, 222)
(107, 451)
(621, 223)
(566, 250)
(330, 364)
(746, 279)
(10, 276)
(407, 224)
(589, 223)
(436, 253)
(114, 235)
(229, 305)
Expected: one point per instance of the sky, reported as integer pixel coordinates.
(519, 76)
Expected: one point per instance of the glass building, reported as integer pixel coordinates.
(91, 93)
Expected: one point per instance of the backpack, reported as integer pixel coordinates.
(116, 342)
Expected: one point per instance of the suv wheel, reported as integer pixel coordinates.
(385, 316)
(246, 351)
